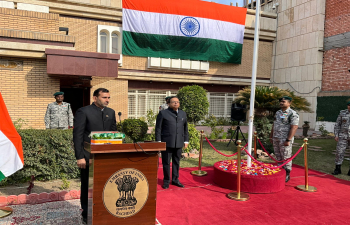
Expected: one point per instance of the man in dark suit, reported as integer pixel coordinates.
(95, 117)
(171, 127)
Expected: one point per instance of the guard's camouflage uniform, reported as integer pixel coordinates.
(341, 130)
(281, 127)
(58, 116)
(163, 107)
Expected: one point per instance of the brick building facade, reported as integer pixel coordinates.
(336, 59)
(335, 92)
(29, 29)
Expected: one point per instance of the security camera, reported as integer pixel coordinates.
(275, 6)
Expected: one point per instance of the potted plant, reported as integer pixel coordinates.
(306, 128)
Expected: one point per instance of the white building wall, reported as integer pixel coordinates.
(297, 53)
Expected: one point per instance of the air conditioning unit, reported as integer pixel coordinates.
(153, 62)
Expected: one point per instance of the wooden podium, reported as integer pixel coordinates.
(123, 183)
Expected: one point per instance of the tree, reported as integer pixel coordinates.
(267, 100)
(193, 100)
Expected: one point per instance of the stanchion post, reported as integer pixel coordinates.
(238, 196)
(306, 187)
(255, 144)
(199, 172)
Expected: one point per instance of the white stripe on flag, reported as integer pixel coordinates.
(10, 162)
(168, 24)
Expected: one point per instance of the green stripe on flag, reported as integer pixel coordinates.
(176, 47)
(2, 176)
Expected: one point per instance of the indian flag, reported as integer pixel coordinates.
(183, 29)
(11, 153)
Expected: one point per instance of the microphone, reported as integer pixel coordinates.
(120, 120)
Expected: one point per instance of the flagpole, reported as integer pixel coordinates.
(254, 71)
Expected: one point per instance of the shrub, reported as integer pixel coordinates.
(151, 136)
(47, 155)
(194, 137)
(135, 129)
(151, 118)
(194, 102)
(263, 127)
(224, 121)
(212, 122)
(224, 135)
(323, 130)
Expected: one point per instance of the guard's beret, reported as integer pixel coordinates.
(348, 103)
(166, 98)
(286, 98)
(58, 93)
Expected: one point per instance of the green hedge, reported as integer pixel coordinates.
(48, 155)
(328, 107)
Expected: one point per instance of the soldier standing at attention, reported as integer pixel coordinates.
(165, 105)
(282, 133)
(59, 114)
(341, 133)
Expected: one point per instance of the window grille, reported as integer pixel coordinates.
(103, 40)
(140, 101)
(114, 43)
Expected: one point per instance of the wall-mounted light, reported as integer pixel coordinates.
(171, 82)
(150, 81)
(66, 29)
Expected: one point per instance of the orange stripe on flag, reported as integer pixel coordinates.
(193, 8)
(9, 130)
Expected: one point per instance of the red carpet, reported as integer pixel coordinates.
(202, 202)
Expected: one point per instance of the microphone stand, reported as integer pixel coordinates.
(121, 125)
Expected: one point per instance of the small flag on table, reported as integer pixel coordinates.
(11, 152)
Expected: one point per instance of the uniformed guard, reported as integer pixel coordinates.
(282, 133)
(341, 133)
(165, 105)
(59, 114)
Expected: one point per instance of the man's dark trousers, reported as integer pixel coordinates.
(171, 127)
(87, 119)
(84, 193)
(175, 155)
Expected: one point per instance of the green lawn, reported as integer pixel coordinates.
(317, 160)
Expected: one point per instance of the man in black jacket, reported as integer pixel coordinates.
(95, 117)
(171, 127)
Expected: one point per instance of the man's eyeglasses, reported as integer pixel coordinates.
(175, 102)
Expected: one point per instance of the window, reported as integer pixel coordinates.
(140, 101)
(114, 43)
(103, 41)
(110, 40)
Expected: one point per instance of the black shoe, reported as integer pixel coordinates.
(178, 184)
(337, 170)
(349, 173)
(287, 175)
(165, 186)
(84, 220)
